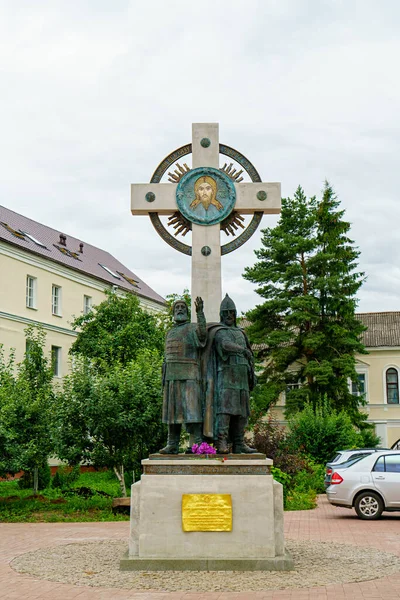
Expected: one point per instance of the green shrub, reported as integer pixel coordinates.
(367, 438)
(301, 500)
(65, 477)
(282, 478)
(311, 478)
(270, 438)
(321, 433)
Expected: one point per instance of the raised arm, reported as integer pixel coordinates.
(201, 320)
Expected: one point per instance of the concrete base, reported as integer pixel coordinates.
(157, 539)
(278, 563)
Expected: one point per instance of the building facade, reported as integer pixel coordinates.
(379, 373)
(379, 376)
(51, 278)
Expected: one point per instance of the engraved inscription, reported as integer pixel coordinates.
(206, 512)
(161, 469)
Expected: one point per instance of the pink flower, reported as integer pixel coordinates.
(203, 448)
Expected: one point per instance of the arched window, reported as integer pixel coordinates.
(392, 386)
(396, 445)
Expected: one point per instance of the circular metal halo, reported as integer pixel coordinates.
(226, 151)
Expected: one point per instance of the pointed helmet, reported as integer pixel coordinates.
(227, 304)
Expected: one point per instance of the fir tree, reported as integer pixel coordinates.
(306, 274)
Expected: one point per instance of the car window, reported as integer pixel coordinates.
(354, 459)
(335, 458)
(380, 464)
(361, 454)
(392, 463)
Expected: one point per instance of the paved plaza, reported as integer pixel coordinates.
(326, 523)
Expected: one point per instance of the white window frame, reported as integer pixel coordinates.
(31, 292)
(56, 360)
(291, 386)
(87, 304)
(56, 300)
(385, 368)
(361, 371)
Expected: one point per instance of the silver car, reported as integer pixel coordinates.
(370, 485)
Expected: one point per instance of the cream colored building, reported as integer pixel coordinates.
(51, 278)
(379, 375)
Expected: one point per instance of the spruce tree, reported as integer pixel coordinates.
(306, 327)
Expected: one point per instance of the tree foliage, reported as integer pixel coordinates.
(116, 330)
(307, 276)
(320, 431)
(111, 418)
(26, 400)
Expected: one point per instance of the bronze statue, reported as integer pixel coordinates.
(235, 379)
(183, 402)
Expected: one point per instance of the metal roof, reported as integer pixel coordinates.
(71, 252)
(383, 329)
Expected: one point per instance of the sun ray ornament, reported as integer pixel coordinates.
(206, 199)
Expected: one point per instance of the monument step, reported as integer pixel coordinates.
(256, 456)
(239, 464)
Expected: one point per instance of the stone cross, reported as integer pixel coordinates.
(206, 195)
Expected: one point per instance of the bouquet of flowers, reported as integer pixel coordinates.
(203, 448)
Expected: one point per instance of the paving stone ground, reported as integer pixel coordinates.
(325, 523)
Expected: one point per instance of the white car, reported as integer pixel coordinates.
(370, 485)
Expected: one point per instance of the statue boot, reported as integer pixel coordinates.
(195, 431)
(174, 434)
(239, 445)
(223, 434)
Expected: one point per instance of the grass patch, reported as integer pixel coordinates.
(62, 505)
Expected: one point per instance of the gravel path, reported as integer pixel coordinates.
(316, 564)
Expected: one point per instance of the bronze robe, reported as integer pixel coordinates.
(182, 402)
(233, 373)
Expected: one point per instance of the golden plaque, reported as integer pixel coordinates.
(206, 512)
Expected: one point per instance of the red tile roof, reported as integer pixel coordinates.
(87, 261)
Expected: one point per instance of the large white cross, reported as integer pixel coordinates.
(206, 270)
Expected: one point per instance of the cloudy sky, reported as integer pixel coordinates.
(94, 93)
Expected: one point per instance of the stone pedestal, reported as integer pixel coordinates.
(157, 540)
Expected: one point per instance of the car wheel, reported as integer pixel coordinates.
(368, 505)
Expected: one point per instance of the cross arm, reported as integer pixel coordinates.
(153, 197)
(249, 198)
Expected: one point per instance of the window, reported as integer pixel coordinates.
(109, 271)
(31, 291)
(33, 239)
(380, 465)
(292, 386)
(56, 360)
(87, 304)
(392, 386)
(360, 388)
(392, 463)
(388, 464)
(56, 300)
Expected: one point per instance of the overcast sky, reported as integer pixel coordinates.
(94, 94)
